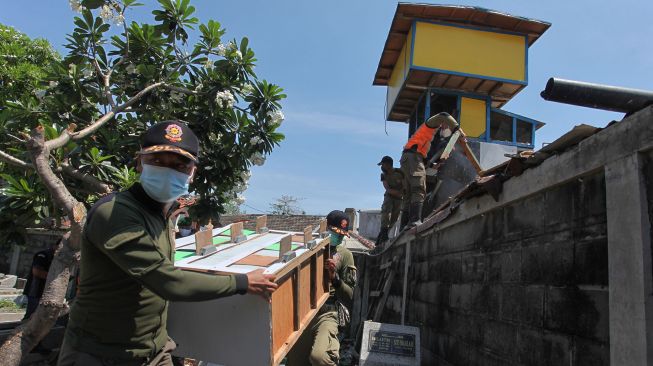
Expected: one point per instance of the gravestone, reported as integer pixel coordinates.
(389, 344)
(7, 281)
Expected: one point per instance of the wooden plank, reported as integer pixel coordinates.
(468, 153)
(188, 242)
(218, 261)
(297, 295)
(298, 238)
(322, 281)
(236, 231)
(323, 226)
(452, 142)
(304, 304)
(203, 239)
(281, 352)
(257, 260)
(308, 234)
(283, 310)
(386, 290)
(314, 282)
(302, 257)
(285, 245)
(261, 222)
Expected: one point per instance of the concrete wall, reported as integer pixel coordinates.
(556, 272)
(524, 284)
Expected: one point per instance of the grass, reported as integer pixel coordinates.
(9, 306)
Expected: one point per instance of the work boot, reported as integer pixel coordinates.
(383, 236)
(415, 215)
(404, 219)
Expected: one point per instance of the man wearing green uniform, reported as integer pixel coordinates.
(319, 344)
(127, 274)
(393, 182)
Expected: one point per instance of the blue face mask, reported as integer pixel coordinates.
(163, 184)
(336, 239)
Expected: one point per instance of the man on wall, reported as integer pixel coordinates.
(393, 182)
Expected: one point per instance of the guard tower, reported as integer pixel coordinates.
(466, 61)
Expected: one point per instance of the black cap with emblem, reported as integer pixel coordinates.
(338, 222)
(171, 136)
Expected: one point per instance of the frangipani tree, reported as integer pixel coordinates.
(73, 136)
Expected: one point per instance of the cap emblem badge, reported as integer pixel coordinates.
(173, 133)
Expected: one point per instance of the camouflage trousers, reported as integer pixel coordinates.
(412, 165)
(390, 210)
(319, 344)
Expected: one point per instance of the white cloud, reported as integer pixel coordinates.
(347, 124)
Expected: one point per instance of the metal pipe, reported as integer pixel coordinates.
(611, 98)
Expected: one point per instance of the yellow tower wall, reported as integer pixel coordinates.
(465, 51)
(400, 72)
(473, 116)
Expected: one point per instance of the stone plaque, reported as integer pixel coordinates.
(389, 344)
(392, 343)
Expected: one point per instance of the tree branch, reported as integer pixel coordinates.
(40, 154)
(95, 184)
(68, 134)
(106, 83)
(13, 160)
(180, 89)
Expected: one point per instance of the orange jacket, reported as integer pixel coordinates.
(422, 138)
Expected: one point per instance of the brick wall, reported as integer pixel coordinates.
(523, 284)
(275, 222)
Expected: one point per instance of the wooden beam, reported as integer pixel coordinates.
(322, 245)
(384, 297)
(468, 152)
(297, 297)
(495, 87)
(203, 239)
(285, 245)
(308, 234)
(261, 223)
(314, 283)
(236, 231)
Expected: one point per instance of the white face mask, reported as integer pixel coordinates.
(445, 132)
(184, 232)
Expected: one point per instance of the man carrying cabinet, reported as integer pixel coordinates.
(319, 344)
(127, 274)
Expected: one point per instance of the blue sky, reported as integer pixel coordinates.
(325, 54)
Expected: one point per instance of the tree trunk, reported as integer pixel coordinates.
(52, 304)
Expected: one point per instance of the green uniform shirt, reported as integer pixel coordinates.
(346, 271)
(395, 179)
(127, 278)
